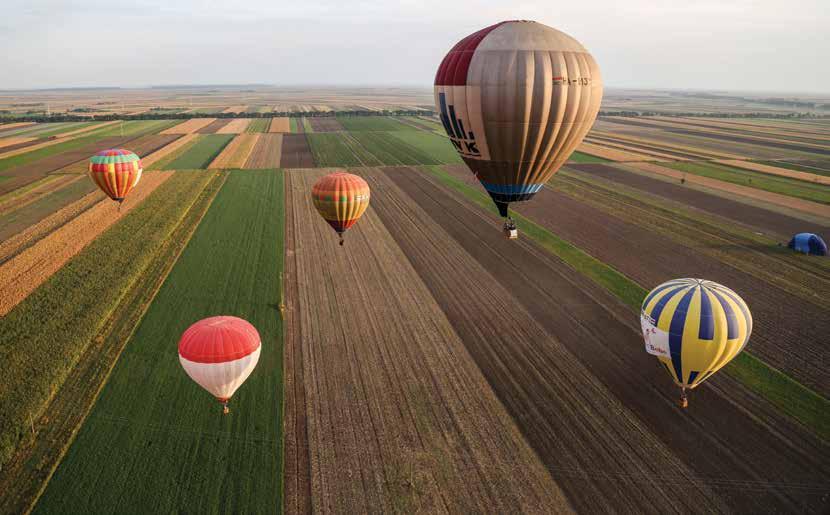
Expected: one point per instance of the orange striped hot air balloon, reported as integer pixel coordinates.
(116, 171)
(340, 198)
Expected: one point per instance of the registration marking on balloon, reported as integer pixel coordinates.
(461, 127)
(657, 340)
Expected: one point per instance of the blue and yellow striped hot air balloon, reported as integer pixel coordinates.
(694, 327)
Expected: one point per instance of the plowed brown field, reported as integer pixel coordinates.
(295, 152)
(751, 216)
(553, 333)
(327, 124)
(214, 126)
(27, 270)
(386, 409)
(266, 152)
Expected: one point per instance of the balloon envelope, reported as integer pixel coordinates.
(341, 198)
(219, 353)
(116, 171)
(516, 99)
(694, 327)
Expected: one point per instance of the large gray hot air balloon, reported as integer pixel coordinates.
(516, 99)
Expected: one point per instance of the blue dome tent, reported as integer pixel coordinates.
(808, 243)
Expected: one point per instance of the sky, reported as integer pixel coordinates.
(737, 45)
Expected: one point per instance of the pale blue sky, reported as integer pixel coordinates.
(748, 45)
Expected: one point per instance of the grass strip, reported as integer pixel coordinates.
(791, 397)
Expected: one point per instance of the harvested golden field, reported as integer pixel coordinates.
(189, 126)
(8, 142)
(236, 126)
(235, 109)
(266, 152)
(35, 232)
(236, 153)
(279, 124)
(386, 409)
(745, 191)
(29, 269)
(776, 170)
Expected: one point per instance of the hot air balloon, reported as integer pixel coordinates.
(219, 353)
(516, 99)
(340, 198)
(116, 171)
(694, 327)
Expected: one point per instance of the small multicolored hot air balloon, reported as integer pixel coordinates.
(116, 171)
(694, 327)
(341, 198)
(219, 353)
(516, 99)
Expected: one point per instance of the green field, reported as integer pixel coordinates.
(791, 397)
(438, 147)
(58, 320)
(579, 157)
(62, 130)
(329, 149)
(155, 439)
(373, 123)
(782, 185)
(37, 130)
(202, 153)
(258, 125)
(292, 123)
(390, 150)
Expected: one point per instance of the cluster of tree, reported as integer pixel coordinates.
(42, 117)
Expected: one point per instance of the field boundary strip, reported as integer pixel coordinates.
(774, 170)
(74, 399)
(789, 396)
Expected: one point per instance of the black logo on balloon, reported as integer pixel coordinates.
(464, 142)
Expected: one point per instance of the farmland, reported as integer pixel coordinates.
(429, 365)
(201, 153)
(231, 461)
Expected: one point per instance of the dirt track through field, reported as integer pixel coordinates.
(265, 152)
(295, 152)
(751, 216)
(738, 445)
(26, 271)
(396, 414)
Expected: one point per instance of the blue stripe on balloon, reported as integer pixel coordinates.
(512, 189)
(657, 290)
(707, 321)
(661, 304)
(678, 322)
(731, 321)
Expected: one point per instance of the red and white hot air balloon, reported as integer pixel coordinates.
(219, 353)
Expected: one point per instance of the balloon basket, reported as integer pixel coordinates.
(510, 230)
(683, 401)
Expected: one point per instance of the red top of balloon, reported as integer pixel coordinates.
(218, 340)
